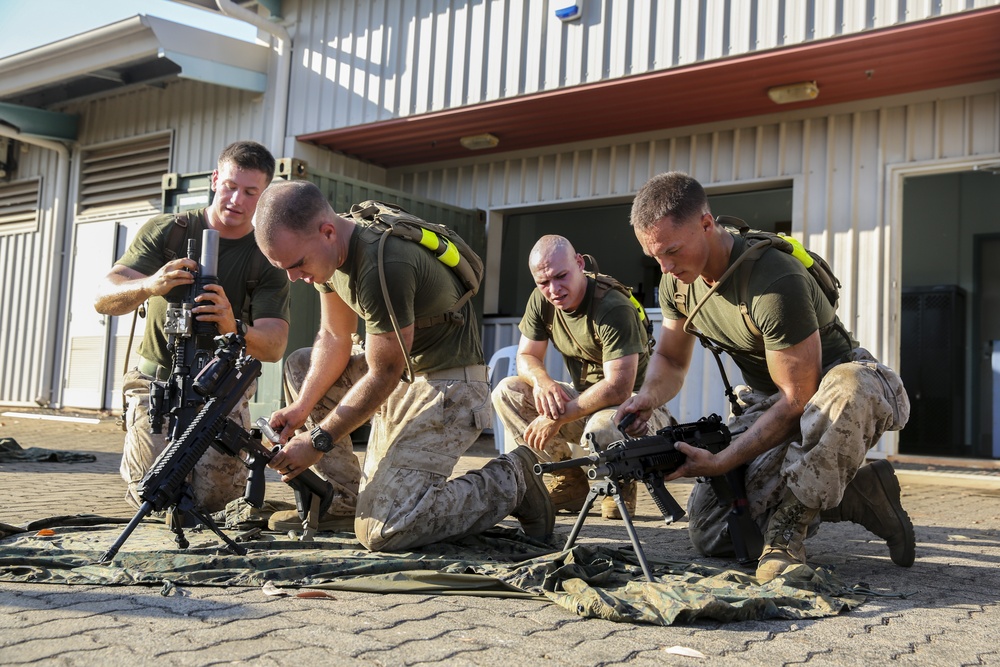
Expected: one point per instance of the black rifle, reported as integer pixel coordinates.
(222, 383)
(648, 459)
(190, 342)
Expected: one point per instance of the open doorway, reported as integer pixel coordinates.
(604, 232)
(950, 312)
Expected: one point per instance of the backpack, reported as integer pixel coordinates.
(603, 283)
(756, 244)
(447, 246)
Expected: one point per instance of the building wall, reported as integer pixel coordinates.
(361, 62)
(836, 160)
(29, 262)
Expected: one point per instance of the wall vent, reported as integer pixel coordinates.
(19, 206)
(124, 174)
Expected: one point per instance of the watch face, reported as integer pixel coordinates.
(321, 440)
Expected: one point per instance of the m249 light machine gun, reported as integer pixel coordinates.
(190, 342)
(648, 459)
(221, 384)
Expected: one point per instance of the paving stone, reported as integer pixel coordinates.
(950, 615)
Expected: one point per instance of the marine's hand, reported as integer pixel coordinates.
(288, 420)
(540, 432)
(700, 463)
(215, 307)
(639, 406)
(297, 455)
(172, 274)
(550, 399)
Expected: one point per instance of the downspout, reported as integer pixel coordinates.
(282, 45)
(60, 213)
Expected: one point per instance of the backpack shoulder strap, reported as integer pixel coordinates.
(179, 232)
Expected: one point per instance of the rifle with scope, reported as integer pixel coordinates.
(648, 459)
(221, 384)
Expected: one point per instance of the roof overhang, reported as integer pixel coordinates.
(139, 50)
(957, 49)
(38, 122)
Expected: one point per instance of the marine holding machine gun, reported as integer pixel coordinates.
(197, 399)
(649, 459)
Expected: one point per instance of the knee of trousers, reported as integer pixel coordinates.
(368, 532)
(601, 424)
(296, 366)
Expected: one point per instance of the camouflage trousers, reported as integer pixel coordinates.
(857, 401)
(216, 480)
(514, 403)
(404, 495)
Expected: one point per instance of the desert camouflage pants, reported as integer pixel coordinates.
(515, 405)
(216, 480)
(404, 496)
(857, 401)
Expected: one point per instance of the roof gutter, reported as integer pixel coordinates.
(56, 269)
(282, 44)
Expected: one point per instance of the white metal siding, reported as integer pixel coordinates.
(204, 119)
(837, 164)
(361, 62)
(26, 262)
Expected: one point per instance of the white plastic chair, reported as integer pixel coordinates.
(503, 364)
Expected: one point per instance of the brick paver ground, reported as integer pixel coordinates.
(951, 618)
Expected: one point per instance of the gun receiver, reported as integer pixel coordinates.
(649, 459)
(190, 342)
(223, 382)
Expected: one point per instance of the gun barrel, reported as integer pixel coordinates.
(209, 263)
(541, 468)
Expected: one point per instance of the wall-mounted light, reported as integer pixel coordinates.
(567, 10)
(478, 142)
(795, 92)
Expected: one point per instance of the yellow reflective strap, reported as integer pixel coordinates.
(638, 306)
(429, 239)
(451, 257)
(798, 251)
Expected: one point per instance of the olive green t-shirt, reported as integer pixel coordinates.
(419, 286)
(786, 304)
(598, 330)
(147, 254)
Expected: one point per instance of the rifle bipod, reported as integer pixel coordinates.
(607, 487)
(175, 520)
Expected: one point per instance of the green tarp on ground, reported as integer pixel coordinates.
(591, 581)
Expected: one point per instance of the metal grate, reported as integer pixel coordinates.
(123, 174)
(19, 206)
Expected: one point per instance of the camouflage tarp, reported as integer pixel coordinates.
(592, 581)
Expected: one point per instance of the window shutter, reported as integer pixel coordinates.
(19, 206)
(123, 174)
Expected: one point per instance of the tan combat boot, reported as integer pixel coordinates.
(534, 511)
(568, 489)
(609, 509)
(784, 541)
(872, 500)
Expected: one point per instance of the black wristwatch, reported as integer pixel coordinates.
(321, 440)
(242, 328)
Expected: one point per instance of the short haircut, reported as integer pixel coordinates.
(249, 155)
(292, 205)
(673, 194)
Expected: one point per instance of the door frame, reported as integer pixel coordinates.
(895, 175)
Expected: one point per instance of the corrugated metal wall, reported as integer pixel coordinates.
(837, 164)
(360, 62)
(26, 265)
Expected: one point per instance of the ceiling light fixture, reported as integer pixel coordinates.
(795, 92)
(478, 142)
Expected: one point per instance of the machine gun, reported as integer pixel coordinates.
(190, 342)
(221, 384)
(648, 459)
